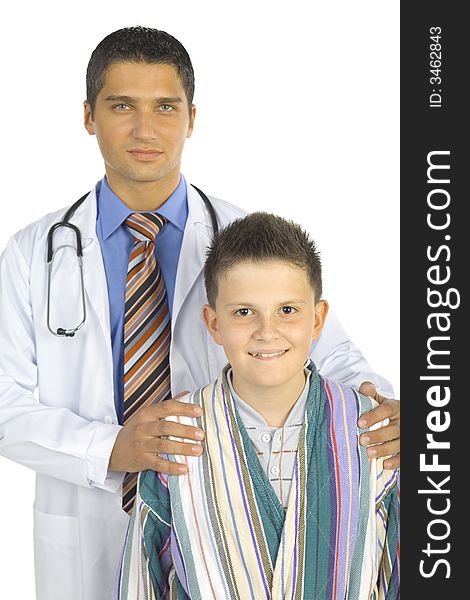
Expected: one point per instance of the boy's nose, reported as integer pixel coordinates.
(266, 330)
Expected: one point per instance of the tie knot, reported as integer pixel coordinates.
(145, 227)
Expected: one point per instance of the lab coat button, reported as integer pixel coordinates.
(275, 470)
(108, 420)
(266, 438)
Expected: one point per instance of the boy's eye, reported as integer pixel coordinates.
(244, 312)
(288, 310)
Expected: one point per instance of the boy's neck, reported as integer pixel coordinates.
(273, 403)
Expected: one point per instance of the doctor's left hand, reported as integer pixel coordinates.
(142, 439)
(386, 440)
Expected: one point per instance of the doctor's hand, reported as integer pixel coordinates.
(386, 440)
(142, 439)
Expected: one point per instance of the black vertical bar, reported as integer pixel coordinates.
(435, 324)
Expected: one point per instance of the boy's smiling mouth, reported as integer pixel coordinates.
(264, 354)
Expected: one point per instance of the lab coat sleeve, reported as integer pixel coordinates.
(337, 358)
(51, 440)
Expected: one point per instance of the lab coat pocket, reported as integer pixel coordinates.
(57, 556)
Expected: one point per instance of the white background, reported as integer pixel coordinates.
(297, 113)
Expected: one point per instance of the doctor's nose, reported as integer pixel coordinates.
(145, 127)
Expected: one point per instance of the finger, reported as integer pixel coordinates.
(379, 398)
(392, 463)
(368, 389)
(389, 409)
(378, 436)
(386, 449)
(162, 465)
(173, 408)
(171, 428)
(164, 446)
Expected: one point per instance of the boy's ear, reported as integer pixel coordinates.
(210, 321)
(321, 310)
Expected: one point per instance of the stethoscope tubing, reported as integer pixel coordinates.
(60, 331)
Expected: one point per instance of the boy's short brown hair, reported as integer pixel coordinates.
(260, 237)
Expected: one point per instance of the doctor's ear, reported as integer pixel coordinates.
(192, 116)
(210, 321)
(87, 118)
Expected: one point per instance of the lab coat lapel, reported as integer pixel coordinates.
(93, 267)
(196, 239)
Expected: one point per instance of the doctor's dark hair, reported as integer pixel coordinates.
(257, 238)
(138, 45)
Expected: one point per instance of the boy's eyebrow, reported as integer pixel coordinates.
(160, 100)
(249, 305)
(239, 304)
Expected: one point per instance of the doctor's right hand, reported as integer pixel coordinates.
(142, 439)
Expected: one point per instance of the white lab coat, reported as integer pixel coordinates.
(57, 412)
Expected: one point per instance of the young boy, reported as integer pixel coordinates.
(284, 503)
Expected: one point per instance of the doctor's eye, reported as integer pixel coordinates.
(121, 107)
(166, 108)
(243, 312)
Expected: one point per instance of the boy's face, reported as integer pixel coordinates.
(141, 120)
(265, 317)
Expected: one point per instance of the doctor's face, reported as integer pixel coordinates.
(141, 121)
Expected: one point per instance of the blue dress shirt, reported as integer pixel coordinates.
(116, 243)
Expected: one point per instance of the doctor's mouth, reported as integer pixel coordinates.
(145, 154)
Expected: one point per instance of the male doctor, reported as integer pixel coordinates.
(85, 410)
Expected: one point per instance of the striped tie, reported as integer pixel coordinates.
(147, 329)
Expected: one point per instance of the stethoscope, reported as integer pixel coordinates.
(60, 331)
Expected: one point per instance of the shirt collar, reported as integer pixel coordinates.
(251, 417)
(112, 211)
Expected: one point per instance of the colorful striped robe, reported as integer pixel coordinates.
(221, 532)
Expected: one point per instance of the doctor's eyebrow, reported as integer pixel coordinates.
(130, 100)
